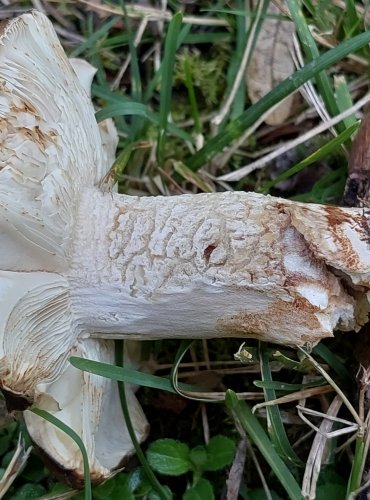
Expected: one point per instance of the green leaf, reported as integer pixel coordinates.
(29, 491)
(198, 456)
(116, 487)
(35, 470)
(5, 442)
(138, 482)
(201, 491)
(220, 452)
(153, 495)
(169, 457)
(330, 485)
(57, 490)
(7, 433)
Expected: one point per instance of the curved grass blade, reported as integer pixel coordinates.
(181, 351)
(237, 127)
(128, 375)
(257, 435)
(76, 438)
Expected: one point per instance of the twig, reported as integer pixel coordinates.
(236, 471)
(351, 427)
(315, 456)
(334, 385)
(305, 393)
(15, 466)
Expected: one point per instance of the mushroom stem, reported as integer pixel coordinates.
(213, 265)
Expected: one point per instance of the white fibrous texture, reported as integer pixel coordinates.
(50, 146)
(91, 406)
(223, 264)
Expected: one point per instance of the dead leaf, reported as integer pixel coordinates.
(271, 63)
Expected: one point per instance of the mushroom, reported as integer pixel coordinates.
(81, 265)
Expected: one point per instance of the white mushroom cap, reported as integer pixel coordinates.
(51, 147)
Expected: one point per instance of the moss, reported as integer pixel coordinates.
(207, 73)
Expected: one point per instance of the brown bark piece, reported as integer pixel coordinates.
(357, 190)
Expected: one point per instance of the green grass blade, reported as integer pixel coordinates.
(237, 127)
(312, 53)
(122, 109)
(97, 36)
(119, 349)
(122, 159)
(241, 40)
(166, 82)
(275, 424)
(333, 361)
(258, 436)
(105, 93)
(76, 438)
(207, 38)
(181, 351)
(155, 80)
(138, 109)
(135, 130)
(128, 375)
(352, 20)
(355, 478)
(321, 153)
(192, 98)
(344, 99)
